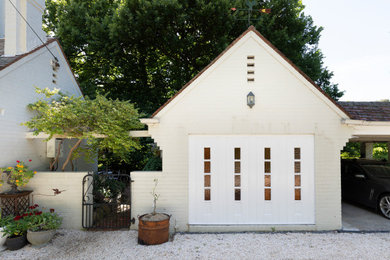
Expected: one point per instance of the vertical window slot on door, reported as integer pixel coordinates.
(237, 153)
(207, 180)
(237, 181)
(237, 173)
(267, 194)
(297, 153)
(297, 180)
(237, 194)
(297, 167)
(237, 167)
(297, 171)
(267, 171)
(207, 171)
(207, 195)
(267, 167)
(207, 153)
(297, 194)
(267, 153)
(267, 180)
(207, 167)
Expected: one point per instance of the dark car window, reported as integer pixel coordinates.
(380, 171)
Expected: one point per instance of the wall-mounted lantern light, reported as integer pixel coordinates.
(250, 99)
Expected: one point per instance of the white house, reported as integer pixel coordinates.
(251, 143)
(26, 63)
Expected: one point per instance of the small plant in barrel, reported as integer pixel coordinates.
(155, 196)
(153, 228)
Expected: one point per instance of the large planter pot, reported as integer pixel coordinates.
(15, 243)
(3, 237)
(153, 229)
(14, 203)
(40, 238)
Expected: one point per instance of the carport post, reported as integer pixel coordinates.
(369, 150)
(362, 150)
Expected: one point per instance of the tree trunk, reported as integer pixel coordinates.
(57, 156)
(70, 154)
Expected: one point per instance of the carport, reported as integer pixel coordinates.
(370, 122)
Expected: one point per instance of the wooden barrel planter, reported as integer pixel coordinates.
(15, 203)
(153, 229)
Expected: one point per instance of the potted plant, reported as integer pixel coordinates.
(17, 176)
(15, 229)
(15, 201)
(41, 225)
(3, 222)
(153, 228)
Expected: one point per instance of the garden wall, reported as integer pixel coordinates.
(68, 204)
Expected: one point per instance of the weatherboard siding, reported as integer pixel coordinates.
(17, 90)
(215, 104)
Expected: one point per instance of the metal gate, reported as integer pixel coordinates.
(106, 201)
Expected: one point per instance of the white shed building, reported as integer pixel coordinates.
(250, 143)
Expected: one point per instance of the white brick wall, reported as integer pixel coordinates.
(68, 204)
(215, 103)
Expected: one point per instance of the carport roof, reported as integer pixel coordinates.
(368, 111)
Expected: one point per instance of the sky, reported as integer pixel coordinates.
(356, 45)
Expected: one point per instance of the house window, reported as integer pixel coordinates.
(267, 173)
(237, 174)
(207, 172)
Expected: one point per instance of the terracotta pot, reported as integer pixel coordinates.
(40, 238)
(15, 243)
(153, 229)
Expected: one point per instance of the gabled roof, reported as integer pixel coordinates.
(6, 61)
(253, 29)
(368, 111)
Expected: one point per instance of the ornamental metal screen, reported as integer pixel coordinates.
(106, 201)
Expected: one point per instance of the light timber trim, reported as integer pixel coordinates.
(140, 133)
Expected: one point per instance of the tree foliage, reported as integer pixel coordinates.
(352, 151)
(103, 123)
(146, 50)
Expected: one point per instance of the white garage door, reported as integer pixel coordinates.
(251, 179)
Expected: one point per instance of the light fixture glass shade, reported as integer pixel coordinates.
(250, 99)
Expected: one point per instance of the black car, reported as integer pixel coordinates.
(367, 182)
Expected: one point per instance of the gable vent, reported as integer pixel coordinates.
(250, 65)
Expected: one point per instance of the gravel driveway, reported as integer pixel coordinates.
(123, 245)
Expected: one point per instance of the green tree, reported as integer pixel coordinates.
(380, 151)
(146, 50)
(104, 124)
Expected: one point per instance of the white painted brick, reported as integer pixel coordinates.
(215, 103)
